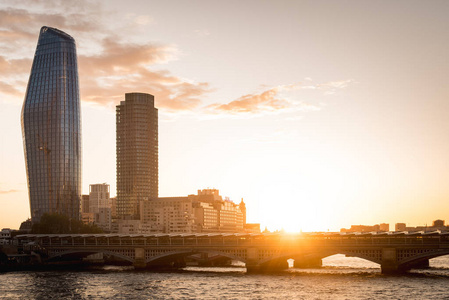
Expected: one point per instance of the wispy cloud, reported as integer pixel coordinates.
(202, 32)
(8, 192)
(283, 98)
(253, 103)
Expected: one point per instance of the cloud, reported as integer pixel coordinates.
(278, 99)
(109, 67)
(10, 89)
(122, 67)
(265, 101)
(202, 32)
(10, 67)
(140, 19)
(23, 22)
(12, 76)
(8, 192)
(111, 64)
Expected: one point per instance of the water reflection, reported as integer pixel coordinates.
(355, 279)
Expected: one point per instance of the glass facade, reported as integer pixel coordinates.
(137, 153)
(51, 127)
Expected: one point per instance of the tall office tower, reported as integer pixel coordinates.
(51, 127)
(137, 153)
(98, 197)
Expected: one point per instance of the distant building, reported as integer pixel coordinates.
(103, 218)
(253, 228)
(400, 227)
(242, 207)
(5, 233)
(128, 226)
(5, 236)
(99, 210)
(384, 227)
(88, 218)
(170, 214)
(85, 204)
(438, 223)
(204, 212)
(362, 228)
(98, 197)
(137, 153)
(113, 202)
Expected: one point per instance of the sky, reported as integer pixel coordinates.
(319, 114)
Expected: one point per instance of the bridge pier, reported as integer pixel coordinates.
(391, 268)
(389, 263)
(309, 262)
(253, 264)
(252, 268)
(272, 266)
(139, 258)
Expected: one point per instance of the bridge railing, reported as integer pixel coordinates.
(232, 240)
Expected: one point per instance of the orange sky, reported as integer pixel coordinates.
(319, 114)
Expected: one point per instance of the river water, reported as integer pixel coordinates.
(339, 278)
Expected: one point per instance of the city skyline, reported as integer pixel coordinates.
(317, 122)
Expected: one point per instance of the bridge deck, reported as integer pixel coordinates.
(242, 239)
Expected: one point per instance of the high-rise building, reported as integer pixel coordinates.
(137, 153)
(51, 127)
(98, 197)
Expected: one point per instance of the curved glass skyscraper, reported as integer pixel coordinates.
(51, 127)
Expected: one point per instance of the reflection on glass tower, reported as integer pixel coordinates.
(51, 127)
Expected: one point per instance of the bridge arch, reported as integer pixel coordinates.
(185, 253)
(413, 259)
(373, 256)
(84, 253)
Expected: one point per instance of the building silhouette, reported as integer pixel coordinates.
(137, 153)
(51, 127)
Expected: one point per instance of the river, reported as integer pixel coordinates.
(339, 278)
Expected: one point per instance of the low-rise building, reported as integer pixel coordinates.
(103, 219)
(88, 218)
(400, 227)
(128, 226)
(438, 223)
(5, 236)
(384, 227)
(85, 204)
(204, 212)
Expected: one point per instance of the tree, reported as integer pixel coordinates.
(60, 224)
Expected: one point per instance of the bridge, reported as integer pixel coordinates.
(393, 251)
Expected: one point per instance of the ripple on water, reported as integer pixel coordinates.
(330, 282)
